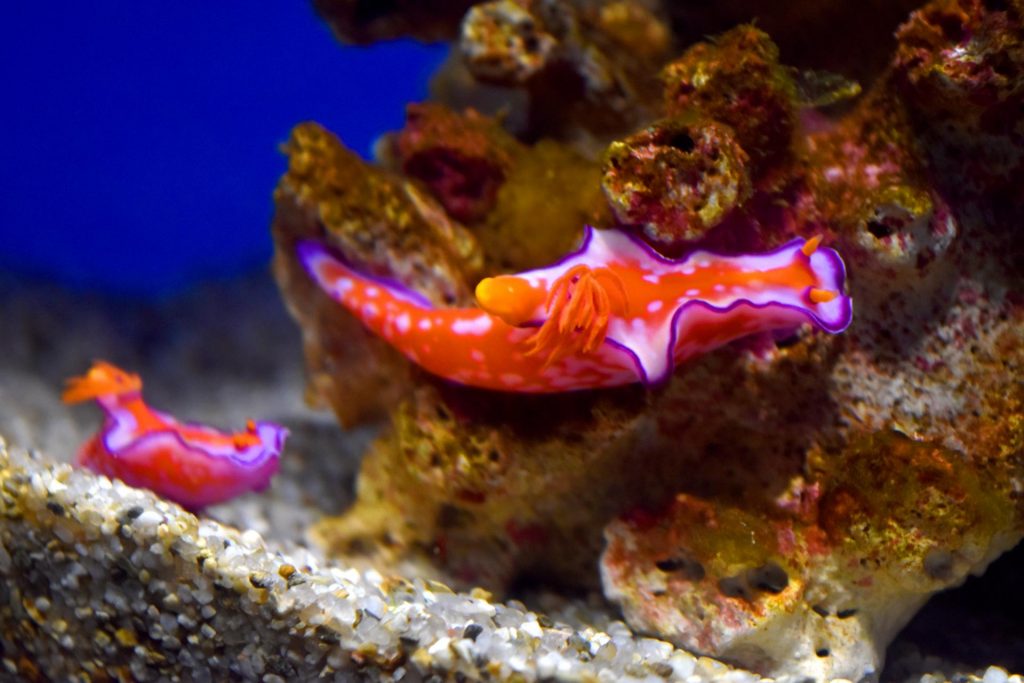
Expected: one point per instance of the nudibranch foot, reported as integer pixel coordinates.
(191, 464)
(612, 312)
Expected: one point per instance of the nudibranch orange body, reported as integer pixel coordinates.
(191, 464)
(613, 312)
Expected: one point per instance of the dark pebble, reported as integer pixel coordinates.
(131, 514)
(260, 580)
(662, 669)
(578, 642)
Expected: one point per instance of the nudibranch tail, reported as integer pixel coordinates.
(191, 464)
(612, 312)
(102, 379)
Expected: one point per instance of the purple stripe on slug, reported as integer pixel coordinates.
(804, 312)
(272, 437)
(308, 251)
(245, 460)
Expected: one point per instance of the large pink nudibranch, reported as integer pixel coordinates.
(191, 464)
(613, 312)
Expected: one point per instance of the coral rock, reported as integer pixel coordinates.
(489, 486)
(737, 80)
(868, 177)
(462, 158)
(550, 194)
(504, 42)
(677, 178)
(589, 64)
(962, 69)
(822, 576)
(852, 38)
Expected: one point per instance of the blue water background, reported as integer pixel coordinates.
(141, 140)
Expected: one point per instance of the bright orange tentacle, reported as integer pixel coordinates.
(579, 307)
(102, 379)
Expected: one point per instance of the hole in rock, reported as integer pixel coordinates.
(682, 141)
(880, 230)
(769, 577)
(734, 587)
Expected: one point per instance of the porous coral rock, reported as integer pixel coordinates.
(936, 345)
(503, 42)
(526, 205)
(809, 582)
(482, 481)
(868, 178)
(959, 66)
(737, 80)
(583, 64)
(851, 38)
(676, 178)
(462, 158)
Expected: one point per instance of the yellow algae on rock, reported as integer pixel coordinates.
(550, 194)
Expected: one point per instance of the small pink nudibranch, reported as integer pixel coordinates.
(191, 464)
(613, 312)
